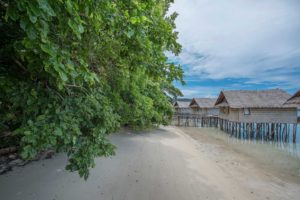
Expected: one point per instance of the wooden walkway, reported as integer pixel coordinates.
(277, 132)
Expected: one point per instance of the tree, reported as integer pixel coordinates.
(74, 71)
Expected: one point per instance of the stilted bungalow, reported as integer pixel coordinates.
(257, 114)
(204, 107)
(182, 107)
(259, 106)
(182, 113)
(294, 101)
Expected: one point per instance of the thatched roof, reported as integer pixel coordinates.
(252, 98)
(294, 101)
(203, 102)
(182, 104)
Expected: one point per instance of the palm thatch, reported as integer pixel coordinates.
(203, 102)
(294, 101)
(274, 98)
(181, 104)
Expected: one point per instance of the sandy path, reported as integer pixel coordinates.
(165, 164)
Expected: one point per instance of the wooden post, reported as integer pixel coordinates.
(257, 131)
(272, 131)
(243, 130)
(227, 126)
(294, 132)
(251, 131)
(240, 134)
(222, 122)
(246, 126)
(285, 134)
(235, 129)
(267, 129)
(263, 131)
(276, 131)
(281, 135)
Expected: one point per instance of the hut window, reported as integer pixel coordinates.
(246, 111)
(298, 112)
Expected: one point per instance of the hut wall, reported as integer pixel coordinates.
(229, 114)
(213, 111)
(183, 110)
(205, 111)
(197, 110)
(274, 115)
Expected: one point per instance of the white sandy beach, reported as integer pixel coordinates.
(165, 164)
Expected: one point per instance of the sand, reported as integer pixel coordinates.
(165, 164)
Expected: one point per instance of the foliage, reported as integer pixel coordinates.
(73, 71)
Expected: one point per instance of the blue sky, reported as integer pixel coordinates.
(238, 44)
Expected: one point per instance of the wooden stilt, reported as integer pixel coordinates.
(285, 135)
(294, 133)
(272, 131)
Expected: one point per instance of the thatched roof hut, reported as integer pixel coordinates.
(274, 98)
(294, 101)
(203, 102)
(181, 104)
(204, 106)
(256, 106)
(182, 107)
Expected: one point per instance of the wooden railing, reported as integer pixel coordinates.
(263, 130)
(196, 120)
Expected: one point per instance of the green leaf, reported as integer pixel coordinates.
(11, 13)
(44, 5)
(69, 6)
(31, 32)
(130, 33)
(58, 132)
(63, 76)
(80, 28)
(23, 23)
(134, 20)
(47, 48)
(32, 18)
(77, 29)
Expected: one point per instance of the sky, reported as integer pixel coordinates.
(237, 44)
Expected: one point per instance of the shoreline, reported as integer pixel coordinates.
(168, 163)
(272, 161)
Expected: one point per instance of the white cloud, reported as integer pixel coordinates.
(209, 91)
(192, 92)
(254, 39)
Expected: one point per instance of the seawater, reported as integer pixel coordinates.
(290, 148)
(279, 157)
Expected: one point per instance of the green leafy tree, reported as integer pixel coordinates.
(73, 71)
